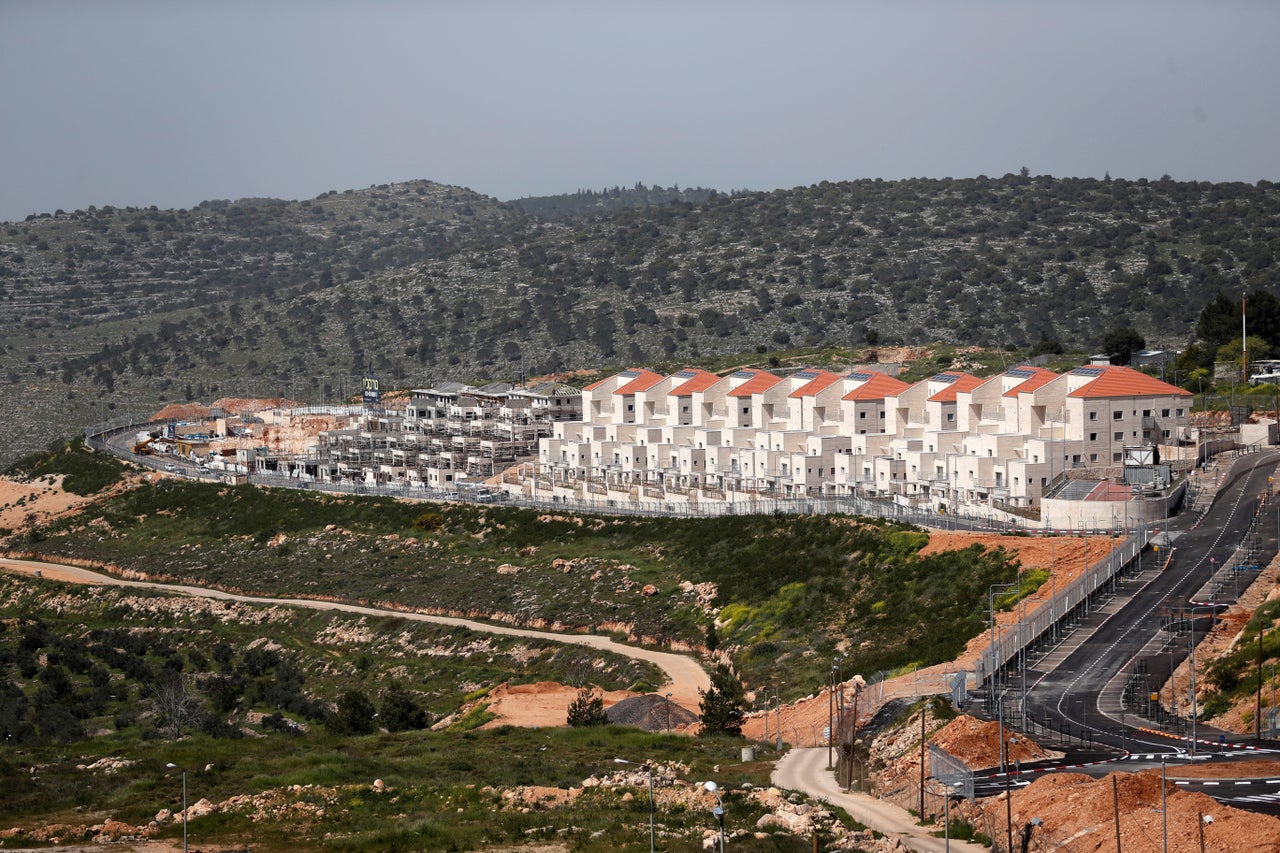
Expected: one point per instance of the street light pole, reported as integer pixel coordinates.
(718, 811)
(173, 766)
(649, 769)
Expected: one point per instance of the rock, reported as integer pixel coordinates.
(648, 590)
(164, 817)
(508, 569)
(199, 809)
(379, 785)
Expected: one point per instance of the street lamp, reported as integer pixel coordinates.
(648, 768)
(173, 766)
(946, 812)
(718, 811)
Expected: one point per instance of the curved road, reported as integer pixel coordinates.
(1071, 684)
(685, 675)
(806, 770)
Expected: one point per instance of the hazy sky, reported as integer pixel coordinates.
(170, 103)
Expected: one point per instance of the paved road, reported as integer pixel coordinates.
(806, 770)
(686, 676)
(1078, 684)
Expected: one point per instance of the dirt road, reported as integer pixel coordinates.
(685, 675)
(806, 770)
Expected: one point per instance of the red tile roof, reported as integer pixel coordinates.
(824, 379)
(646, 380)
(963, 382)
(1038, 379)
(1115, 381)
(760, 381)
(699, 380)
(879, 386)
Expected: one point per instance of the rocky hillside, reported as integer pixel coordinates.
(111, 308)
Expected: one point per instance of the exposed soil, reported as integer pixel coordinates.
(1079, 813)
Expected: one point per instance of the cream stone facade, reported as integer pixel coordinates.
(952, 443)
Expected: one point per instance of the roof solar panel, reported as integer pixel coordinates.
(744, 374)
(686, 374)
(858, 376)
(945, 377)
(1087, 371)
(629, 374)
(1020, 372)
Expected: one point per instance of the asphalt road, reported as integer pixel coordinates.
(1076, 687)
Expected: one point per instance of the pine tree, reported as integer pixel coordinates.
(587, 709)
(722, 703)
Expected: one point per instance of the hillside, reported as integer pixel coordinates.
(114, 308)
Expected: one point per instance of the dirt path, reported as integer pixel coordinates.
(685, 675)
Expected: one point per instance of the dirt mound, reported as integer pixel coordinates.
(249, 405)
(651, 712)
(182, 412)
(1078, 813)
(977, 743)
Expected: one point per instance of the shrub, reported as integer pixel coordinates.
(587, 709)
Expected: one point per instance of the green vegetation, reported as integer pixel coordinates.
(84, 472)
(424, 281)
(1235, 675)
(721, 711)
(791, 587)
(82, 659)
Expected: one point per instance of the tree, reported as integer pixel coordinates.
(355, 715)
(400, 712)
(1121, 343)
(722, 703)
(587, 709)
(177, 707)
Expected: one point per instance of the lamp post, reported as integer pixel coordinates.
(1164, 809)
(718, 811)
(173, 766)
(991, 603)
(648, 768)
(946, 813)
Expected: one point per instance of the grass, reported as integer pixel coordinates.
(84, 472)
(439, 787)
(792, 588)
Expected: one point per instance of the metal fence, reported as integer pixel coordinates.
(953, 773)
(1063, 602)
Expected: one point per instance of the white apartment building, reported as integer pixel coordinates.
(952, 443)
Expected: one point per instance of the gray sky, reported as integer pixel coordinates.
(170, 103)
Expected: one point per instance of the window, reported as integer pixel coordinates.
(1115, 416)
(1178, 412)
(862, 415)
(746, 410)
(882, 416)
(1093, 416)
(1146, 413)
(1075, 460)
(1093, 457)
(1164, 413)
(1093, 436)
(951, 416)
(1119, 436)
(1164, 433)
(1115, 457)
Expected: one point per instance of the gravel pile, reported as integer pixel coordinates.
(651, 712)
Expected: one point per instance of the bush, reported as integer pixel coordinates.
(587, 709)
(355, 715)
